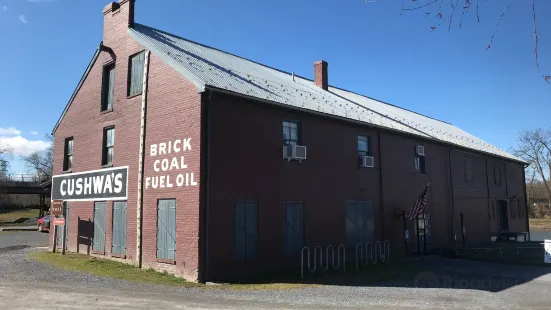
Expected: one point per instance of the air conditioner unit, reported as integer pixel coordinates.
(420, 150)
(294, 152)
(367, 161)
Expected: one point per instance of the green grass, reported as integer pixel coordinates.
(26, 213)
(102, 267)
(540, 223)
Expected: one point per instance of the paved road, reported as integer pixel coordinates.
(447, 284)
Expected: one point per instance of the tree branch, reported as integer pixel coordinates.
(499, 22)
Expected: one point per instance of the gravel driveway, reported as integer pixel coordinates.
(459, 284)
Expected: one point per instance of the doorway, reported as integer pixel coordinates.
(503, 217)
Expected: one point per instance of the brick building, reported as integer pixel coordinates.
(180, 157)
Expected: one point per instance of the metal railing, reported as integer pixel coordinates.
(29, 180)
(380, 252)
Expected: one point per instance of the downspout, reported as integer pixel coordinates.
(139, 209)
(452, 196)
(207, 181)
(381, 186)
(526, 201)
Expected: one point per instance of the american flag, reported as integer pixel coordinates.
(419, 206)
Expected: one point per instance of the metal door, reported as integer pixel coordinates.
(503, 215)
(359, 222)
(99, 227)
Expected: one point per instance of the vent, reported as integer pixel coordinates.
(297, 152)
(367, 161)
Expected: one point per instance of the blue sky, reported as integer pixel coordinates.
(371, 49)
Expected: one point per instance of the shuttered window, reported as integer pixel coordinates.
(135, 74)
(359, 222)
(108, 87)
(99, 227)
(166, 229)
(245, 230)
(118, 245)
(294, 228)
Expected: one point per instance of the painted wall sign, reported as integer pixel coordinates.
(164, 166)
(104, 184)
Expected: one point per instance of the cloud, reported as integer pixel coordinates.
(22, 146)
(4, 8)
(23, 19)
(9, 131)
(34, 133)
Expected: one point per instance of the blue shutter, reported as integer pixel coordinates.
(359, 222)
(251, 230)
(239, 232)
(294, 233)
(99, 227)
(166, 229)
(118, 245)
(136, 74)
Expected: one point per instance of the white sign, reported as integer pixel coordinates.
(547, 252)
(163, 166)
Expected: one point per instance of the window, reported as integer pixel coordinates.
(468, 170)
(497, 175)
(419, 161)
(294, 232)
(118, 244)
(166, 230)
(107, 87)
(364, 145)
(291, 133)
(135, 74)
(108, 143)
(245, 232)
(68, 156)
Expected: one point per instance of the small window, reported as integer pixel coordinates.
(364, 145)
(108, 87)
(291, 133)
(497, 175)
(419, 159)
(108, 143)
(468, 170)
(245, 232)
(135, 74)
(68, 156)
(294, 231)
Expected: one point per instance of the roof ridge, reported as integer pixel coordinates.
(217, 49)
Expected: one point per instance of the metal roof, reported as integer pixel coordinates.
(207, 67)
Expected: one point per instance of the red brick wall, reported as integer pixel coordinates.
(173, 113)
(246, 165)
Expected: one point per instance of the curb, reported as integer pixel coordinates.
(18, 228)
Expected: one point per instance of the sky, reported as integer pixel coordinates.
(371, 49)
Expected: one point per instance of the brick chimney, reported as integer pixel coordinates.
(117, 17)
(320, 74)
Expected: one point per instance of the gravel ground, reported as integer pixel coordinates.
(448, 284)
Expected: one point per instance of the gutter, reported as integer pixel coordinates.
(143, 118)
(452, 195)
(526, 201)
(207, 182)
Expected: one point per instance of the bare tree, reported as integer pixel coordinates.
(41, 163)
(451, 13)
(535, 147)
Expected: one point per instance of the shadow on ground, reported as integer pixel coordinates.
(434, 272)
